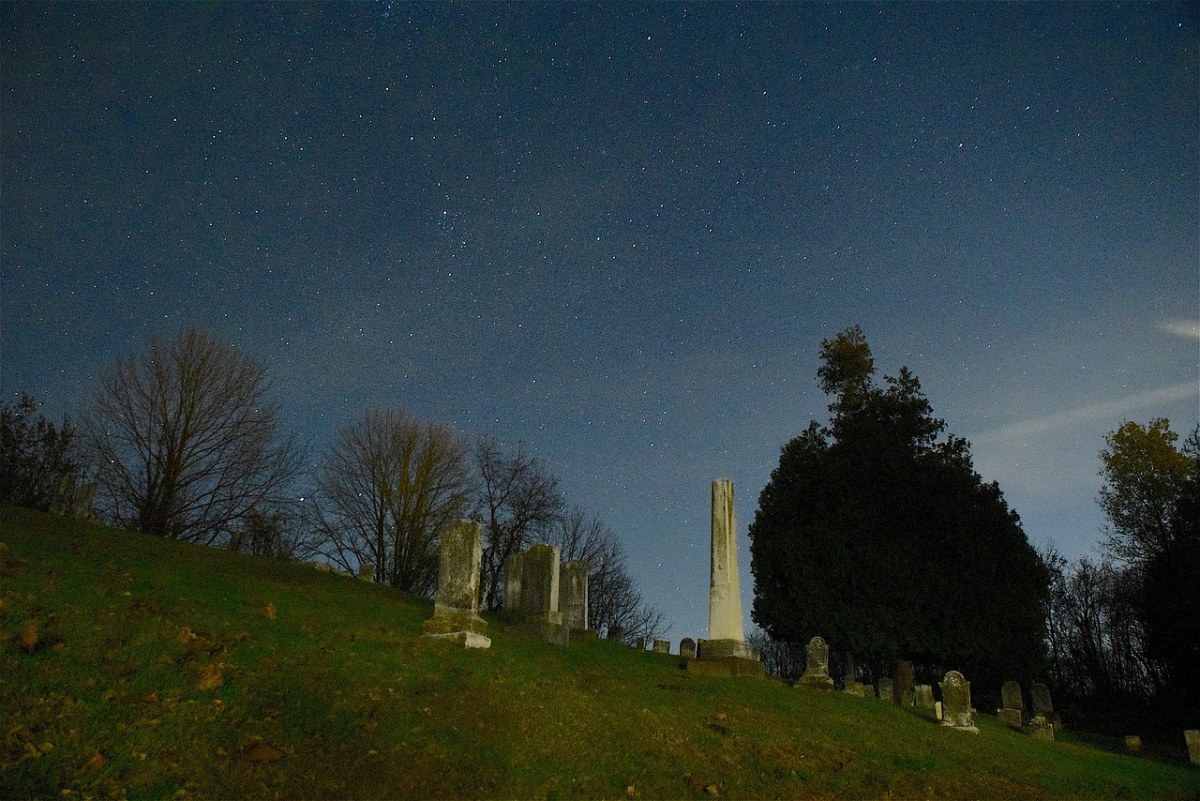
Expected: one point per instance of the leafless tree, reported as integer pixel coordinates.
(614, 605)
(519, 500)
(387, 487)
(186, 440)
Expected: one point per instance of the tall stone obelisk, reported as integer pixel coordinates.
(727, 637)
(724, 590)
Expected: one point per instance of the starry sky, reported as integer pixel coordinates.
(617, 233)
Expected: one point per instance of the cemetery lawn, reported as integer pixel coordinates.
(136, 667)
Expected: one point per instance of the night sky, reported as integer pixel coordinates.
(618, 233)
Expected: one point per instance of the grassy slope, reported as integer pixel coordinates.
(160, 672)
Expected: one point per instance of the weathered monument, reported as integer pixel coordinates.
(573, 589)
(726, 636)
(456, 607)
(539, 607)
(1012, 706)
(956, 702)
(902, 684)
(687, 647)
(1192, 738)
(816, 671)
(1044, 720)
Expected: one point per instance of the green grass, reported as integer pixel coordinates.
(158, 673)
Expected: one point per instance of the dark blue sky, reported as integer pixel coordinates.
(619, 232)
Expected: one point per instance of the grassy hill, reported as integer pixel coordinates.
(132, 666)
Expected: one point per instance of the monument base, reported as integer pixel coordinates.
(467, 629)
(548, 628)
(722, 649)
(735, 666)
(818, 681)
(463, 639)
(1009, 717)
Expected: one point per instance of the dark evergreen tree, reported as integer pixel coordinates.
(881, 537)
(1170, 604)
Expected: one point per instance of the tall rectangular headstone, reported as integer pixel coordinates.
(539, 583)
(512, 583)
(539, 601)
(573, 594)
(727, 638)
(1192, 738)
(1012, 706)
(956, 702)
(902, 684)
(456, 606)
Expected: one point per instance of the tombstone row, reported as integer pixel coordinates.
(955, 706)
(539, 592)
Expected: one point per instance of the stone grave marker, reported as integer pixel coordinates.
(1039, 697)
(1192, 738)
(512, 584)
(662, 646)
(1044, 720)
(886, 689)
(923, 696)
(956, 702)
(573, 589)
(1012, 707)
(456, 606)
(539, 602)
(816, 672)
(1040, 728)
(687, 647)
(902, 685)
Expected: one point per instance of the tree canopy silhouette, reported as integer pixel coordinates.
(187, 441)
(878, 535)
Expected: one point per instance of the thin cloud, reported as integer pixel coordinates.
(1188, 329)
(1106, 410)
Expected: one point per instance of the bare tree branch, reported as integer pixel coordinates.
(186, 441)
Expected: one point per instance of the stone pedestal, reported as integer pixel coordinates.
(456, 606)
(1009, 717)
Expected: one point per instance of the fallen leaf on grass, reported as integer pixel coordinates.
(29, 636)
(210, 677)
(260, 752)
(96, 762)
